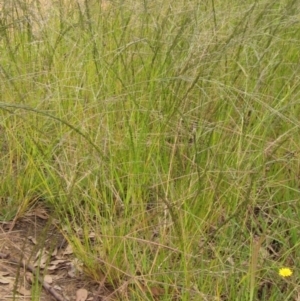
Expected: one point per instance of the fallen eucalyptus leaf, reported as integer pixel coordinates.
(32, 239)
(48, 279)
(6, 280)
(23, 291)
(81, 294)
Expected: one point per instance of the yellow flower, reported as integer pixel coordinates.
(285, 272)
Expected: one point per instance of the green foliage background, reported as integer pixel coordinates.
(170, 129)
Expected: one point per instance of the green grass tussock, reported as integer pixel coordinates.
(170, 130)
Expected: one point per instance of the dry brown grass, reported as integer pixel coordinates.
(39, 12)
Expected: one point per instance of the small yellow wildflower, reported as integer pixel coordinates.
(285, 272)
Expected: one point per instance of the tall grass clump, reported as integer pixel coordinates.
(168, 129)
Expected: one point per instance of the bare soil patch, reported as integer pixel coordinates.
(35, 256)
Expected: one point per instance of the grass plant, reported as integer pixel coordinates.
(169, 129)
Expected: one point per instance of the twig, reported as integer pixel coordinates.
(30, 268)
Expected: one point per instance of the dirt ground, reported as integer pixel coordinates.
(33, 248)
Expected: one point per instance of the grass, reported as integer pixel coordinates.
(168, 129)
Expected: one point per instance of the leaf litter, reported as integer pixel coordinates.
(32, 251)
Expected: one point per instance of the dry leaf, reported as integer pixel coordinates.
(58, 263)
(68, 250)
(41, 258)
(81, 294)
(54, 253)
(29, 277)
(78, 231)
(48, 279)
(40, 252)
(3, 274)
(57, 287)
(6, 280)
(230, 260)
(157, 291)
(41, 213)
(32, 239)
(92, 235)
(23, 291)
